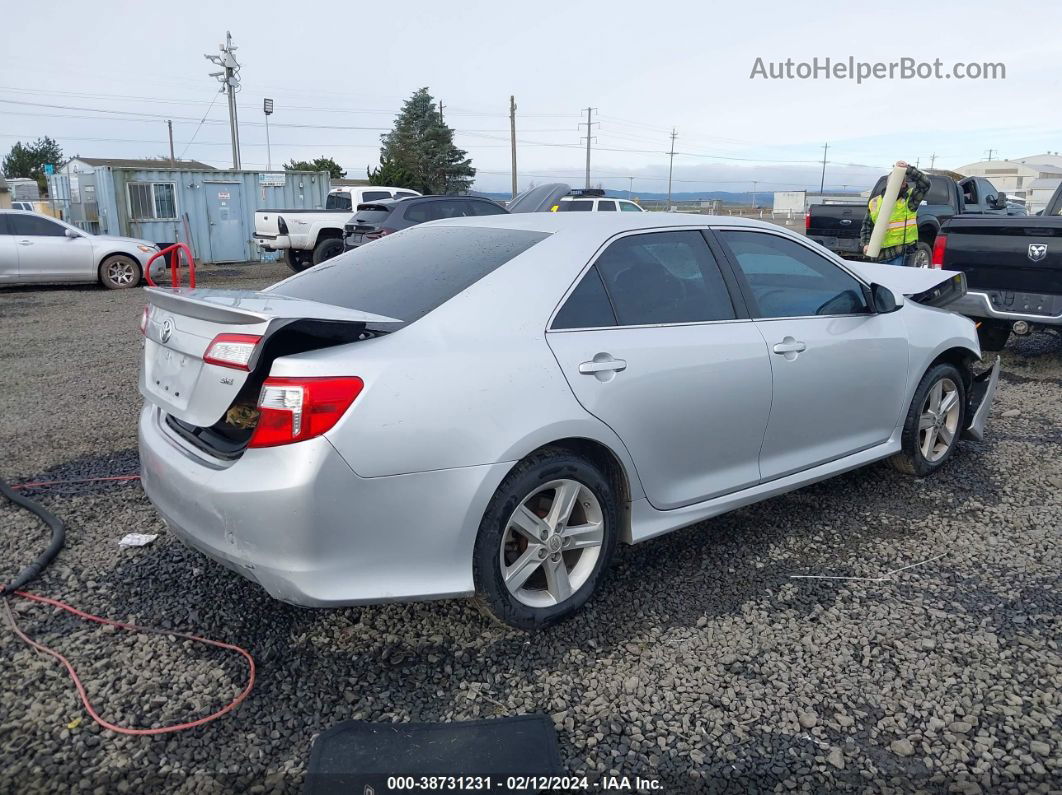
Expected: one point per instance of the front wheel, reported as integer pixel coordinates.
(545, 540)
(934, 421)
(119, 272)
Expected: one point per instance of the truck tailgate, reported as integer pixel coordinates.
(1021, 254)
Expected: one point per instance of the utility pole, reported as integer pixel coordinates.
(990, 151)
(754, 184)
(169, 127)
(229, 77)
(441, 106)
(822, 182)
(932, 160)
(670, 167)
(267, 109)
(512, 136)
(589, 126)
(630, 187)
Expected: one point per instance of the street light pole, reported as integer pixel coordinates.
(267, 109)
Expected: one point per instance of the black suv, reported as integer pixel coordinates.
(376, 219)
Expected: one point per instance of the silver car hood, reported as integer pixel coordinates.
(901, 280)
(131, 241)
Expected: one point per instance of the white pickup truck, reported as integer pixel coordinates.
(308, 237)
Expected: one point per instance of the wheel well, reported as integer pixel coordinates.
(613, 468)
(328, 234)
(927, 234)
(962, 358)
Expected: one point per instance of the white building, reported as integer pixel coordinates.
(1029, 179)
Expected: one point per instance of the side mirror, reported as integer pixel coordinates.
(1001, 201)
(884, 299)
(72, 234)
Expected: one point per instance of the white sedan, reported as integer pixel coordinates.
(35, 248)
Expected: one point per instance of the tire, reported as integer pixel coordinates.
(913, 459)
(921, 255)
(297, 260)
(120, 272)
(581, 552)
(326, 249)
(993, 336)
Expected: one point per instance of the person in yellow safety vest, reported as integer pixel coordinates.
(901, 236)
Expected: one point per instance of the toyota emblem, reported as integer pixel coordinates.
(167, 330)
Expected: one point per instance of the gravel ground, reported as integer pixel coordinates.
(702, 664)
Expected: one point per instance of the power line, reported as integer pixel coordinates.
(213, 99)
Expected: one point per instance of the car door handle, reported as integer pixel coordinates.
(25, 242)
(603, 365)
(790, 345)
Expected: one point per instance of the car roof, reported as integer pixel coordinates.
(604, 223)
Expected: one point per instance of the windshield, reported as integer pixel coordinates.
(338, 201)
(409, 274)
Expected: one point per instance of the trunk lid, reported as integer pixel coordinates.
(182, 323)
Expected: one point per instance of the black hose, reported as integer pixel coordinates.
(58, 536)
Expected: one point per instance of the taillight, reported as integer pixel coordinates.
(807, 220)
(939, 246)
(231, 350)
(296, 409)
(381, 232)
(282, 226)
(144, 319)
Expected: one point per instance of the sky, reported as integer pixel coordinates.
(102, 79)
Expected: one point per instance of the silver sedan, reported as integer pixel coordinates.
(487, 406)
(36, 248)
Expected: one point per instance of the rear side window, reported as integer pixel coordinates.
(341, 201)
(404, 194)
(587, 307)
(939, 191)
(408, 274)
(664, 277)
(375, 195)
(603, 206)
(487, 208)
(581, 206)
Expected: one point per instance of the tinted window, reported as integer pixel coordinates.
(630, 207)
(486, 208)
(435, 209)
(3, 224)
(664, 277)
(373, 215)
(603, 206)
(582, 206)
(34, 225)
(939, 191)
(789, 280)
(375, 195)
(588, 305)
(341, 201)
(408, 274)
(404, 194)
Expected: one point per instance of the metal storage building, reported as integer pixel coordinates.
(211, 210)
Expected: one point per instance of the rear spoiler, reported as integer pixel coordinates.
(246, 307)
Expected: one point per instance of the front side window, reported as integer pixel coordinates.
(664, 277)
(629, 207)
(787, 279)
(487, 208)
(34, 226)
(152, 201)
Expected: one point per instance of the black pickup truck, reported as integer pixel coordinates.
(1013, 270)
(836, 226)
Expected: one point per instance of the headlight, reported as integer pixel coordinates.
(147, 249)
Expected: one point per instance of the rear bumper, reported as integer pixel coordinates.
(979, 402)
(300, 523)
(978, 304)
(272, 242)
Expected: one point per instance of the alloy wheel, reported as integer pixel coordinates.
(551, 543)
(939, 421)
(121, 272)
(920, 259)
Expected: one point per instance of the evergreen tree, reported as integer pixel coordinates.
(391, 174)
(28, 160)
(317, 164)
(421, 146)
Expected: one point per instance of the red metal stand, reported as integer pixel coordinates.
(175, 265)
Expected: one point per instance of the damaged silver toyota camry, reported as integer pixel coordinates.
(487, 406)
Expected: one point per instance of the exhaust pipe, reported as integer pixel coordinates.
(1021, 327)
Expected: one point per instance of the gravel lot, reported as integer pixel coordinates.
(702, 664)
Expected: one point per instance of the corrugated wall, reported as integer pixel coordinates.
(301, 190)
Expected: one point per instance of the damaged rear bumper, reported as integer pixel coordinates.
(979, 402)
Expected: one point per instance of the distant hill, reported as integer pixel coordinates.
(762, 198)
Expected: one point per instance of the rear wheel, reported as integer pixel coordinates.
(934, 421)
(993, 335)
(119, 272)
(297, 260)
(326, 249)
(545, 540)
(921, 255)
